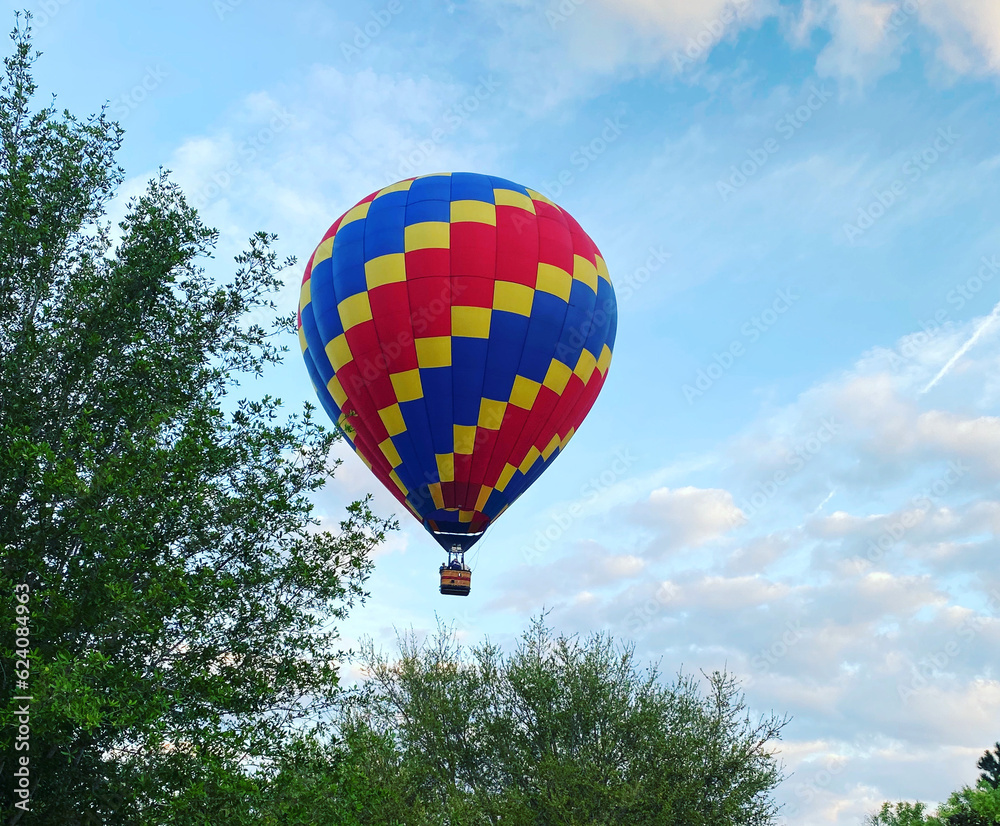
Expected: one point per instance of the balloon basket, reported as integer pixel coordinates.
(456, 578)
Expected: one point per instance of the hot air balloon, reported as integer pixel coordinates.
(457, 328)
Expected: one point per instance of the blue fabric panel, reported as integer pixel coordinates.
(507, 334)
(467, 186)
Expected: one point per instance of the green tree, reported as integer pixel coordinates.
(899, 814)
(180, 599)
(561, 731)
(978, 806)
(989, 763)
(969, 806)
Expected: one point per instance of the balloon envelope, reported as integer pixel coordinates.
(458, 329)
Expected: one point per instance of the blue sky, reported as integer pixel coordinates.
(792, 469)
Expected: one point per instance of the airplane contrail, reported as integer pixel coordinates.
(965, 347)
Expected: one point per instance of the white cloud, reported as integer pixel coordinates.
(688, 516)
(863, 41)
(969, 31)
(570, 49)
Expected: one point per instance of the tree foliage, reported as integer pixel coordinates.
(561, 731)
(181, 596)
(989, 764)
(977, 805)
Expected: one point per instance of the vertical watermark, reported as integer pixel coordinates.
(22, 715)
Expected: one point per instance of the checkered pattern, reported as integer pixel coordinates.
(458, 329)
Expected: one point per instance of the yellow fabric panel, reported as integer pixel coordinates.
(386, 269)
(550, 447)
(513, 298)
(602, 269)
(427, 235)
(302, 340)
(524, 393)
(402, 186)
(557, 376)
(584, 271)
(491, 413)
(446, 466)
(465, 438)
(354, 310)
(434, 351)
(484, 494)
(508, 197)
(407, 385)
(586, 365)
(555, 280)
(529, 460)
(392, 418)
(355, 214)
(436, 495)
(399, 483)
(323, 251)
(391, 454)
(566, 438)
(506, 475)
(466, 516)
(479, 212)
(337, 391)
(339, 352)
(305, 294)
(605, 360)
(537, 196)
(470, 322)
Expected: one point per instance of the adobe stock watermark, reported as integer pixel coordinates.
(912, 515)
(963, 293)
(591, 491)
(48, 9)
(751, 331)
(583, 156)
(959, 295)
(562, 12)
(224, 7)
(930, 665)
(629, 285)
(642, 615)
(911, 171)
(800, 456)
(699, 45)
(129, 101)
(808, 791)
(902, 15)
(248, 150)
(22, 715)
(769, 656)
(787, 126)
(364, 35)
(409, 163)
